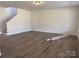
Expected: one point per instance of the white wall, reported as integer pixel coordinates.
(2, 15)
(5, 16)
(78, 20)
(60, 20)
(20, 23)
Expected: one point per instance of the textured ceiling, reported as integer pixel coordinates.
(45, 5)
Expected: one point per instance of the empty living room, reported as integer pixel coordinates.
(39, 29)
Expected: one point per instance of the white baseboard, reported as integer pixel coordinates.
(49, 31)
(3, 33)
(19, 32)
(0, 32)
(52, 31)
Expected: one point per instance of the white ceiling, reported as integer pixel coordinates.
(44, 5)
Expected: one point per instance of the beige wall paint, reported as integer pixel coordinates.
(60, 20)
(20, 23)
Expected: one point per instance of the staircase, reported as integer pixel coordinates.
(9, 13)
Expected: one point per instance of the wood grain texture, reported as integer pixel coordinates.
(34, 45)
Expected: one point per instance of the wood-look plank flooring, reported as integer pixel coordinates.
(34, 45)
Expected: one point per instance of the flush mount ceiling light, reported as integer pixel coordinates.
(37, 2)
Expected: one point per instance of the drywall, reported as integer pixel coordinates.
(20, 23)
(60, 20)
(5, 15)
(9, 13)
(78, 20)
(2, 15)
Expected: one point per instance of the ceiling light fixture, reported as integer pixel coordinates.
(37, 2)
